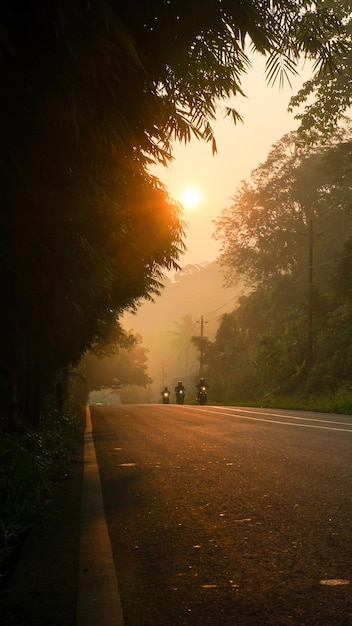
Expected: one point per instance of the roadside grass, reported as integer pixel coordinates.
(340, 402)
(32, 462)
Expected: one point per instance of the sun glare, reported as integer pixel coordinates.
(190, 198)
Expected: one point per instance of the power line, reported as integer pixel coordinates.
(341, 258)
(220, 307)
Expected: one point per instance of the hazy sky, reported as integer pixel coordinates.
(241, 148)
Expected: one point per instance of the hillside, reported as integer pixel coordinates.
(195, 291)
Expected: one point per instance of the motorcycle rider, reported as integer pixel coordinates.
(180, 388)
(166, 395)
(202, 385)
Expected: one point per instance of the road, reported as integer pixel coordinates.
(224, 516)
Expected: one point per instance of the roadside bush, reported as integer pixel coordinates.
(31, 462)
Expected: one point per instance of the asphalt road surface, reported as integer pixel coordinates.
(225, 516)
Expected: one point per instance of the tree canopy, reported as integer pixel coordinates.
(127, 366)
(327, 96)
(265, 232)
(92, 93)
(288, 232)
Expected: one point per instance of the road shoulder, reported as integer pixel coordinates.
(98, 600)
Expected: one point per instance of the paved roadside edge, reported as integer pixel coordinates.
(98, 599)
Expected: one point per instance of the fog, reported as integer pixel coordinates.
(167, 324)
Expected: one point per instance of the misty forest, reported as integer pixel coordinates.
(289, 233)
(94, 94)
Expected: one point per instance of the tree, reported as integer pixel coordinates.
(228, 359)
(126, 366)
(266, 231)
(202, 344)
(327, 96)
(284, 232)
(92, 94)
(182, 339)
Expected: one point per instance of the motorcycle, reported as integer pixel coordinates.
(202, 395)
(180, 396)
(166, 396)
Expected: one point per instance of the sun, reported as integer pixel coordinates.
(190, 198)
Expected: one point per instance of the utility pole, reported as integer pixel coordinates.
(310, 333)
(310, 297)
(201, 356)
(201, 345)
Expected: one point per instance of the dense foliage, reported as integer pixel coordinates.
(92, 93)
(32, 463)
(327, 96)
(127, 366)
(288, 232)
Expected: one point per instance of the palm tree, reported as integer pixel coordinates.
(182, 339)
